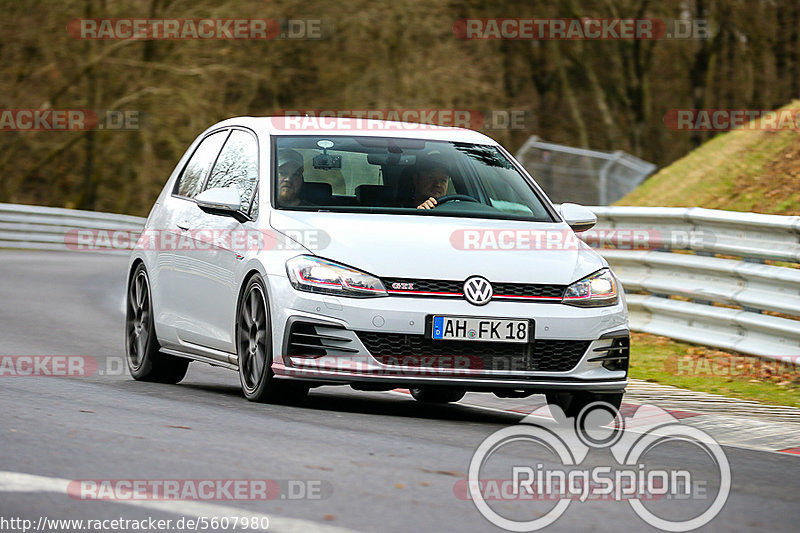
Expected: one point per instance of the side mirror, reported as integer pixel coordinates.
(220, 201)
(578, 218)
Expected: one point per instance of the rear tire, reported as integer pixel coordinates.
(145, 361)
(254, 349)
(428, 395)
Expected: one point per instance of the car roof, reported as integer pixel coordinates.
(299, 125)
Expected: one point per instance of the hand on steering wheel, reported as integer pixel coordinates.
(457, 197)
(432, 202)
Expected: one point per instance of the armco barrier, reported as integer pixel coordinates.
(684, 290)
(46, 228)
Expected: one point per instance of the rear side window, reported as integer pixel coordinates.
(237, 165)
(194, 175)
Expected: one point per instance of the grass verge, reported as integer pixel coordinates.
(662, 360)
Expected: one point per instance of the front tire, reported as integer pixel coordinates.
(254, 349)
(145, 361)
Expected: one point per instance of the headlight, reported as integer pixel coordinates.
(312, 274)
(597, 290)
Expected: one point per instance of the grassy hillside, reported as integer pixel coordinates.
(739, 170)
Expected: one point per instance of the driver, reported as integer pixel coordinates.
(430, 182)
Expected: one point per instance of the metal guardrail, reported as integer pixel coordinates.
(30, 227)
(676, 286)
(711, 231)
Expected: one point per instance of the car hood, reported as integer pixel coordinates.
(432, 247)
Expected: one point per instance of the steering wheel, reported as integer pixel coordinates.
(451, 197)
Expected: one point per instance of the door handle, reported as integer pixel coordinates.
(183, 225)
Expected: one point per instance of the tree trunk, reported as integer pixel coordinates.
(569, 94)
(88, 193)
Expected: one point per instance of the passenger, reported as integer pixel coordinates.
(290, 177)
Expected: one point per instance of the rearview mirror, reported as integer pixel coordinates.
(220, 201)
(327, 162)
(324, 161)
(578, 218)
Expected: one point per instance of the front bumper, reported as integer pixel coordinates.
(321, 338)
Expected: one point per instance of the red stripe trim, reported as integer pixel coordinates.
(527, 297)
(462, 294)
(795, 451)
(426, 292)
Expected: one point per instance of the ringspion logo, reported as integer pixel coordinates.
(634, 477)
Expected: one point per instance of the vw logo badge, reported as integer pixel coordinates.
(478, 290)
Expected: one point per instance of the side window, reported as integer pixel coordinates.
(237, 165)
(191, 181)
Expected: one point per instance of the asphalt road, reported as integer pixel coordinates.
(371, 461)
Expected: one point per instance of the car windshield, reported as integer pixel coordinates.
(397, 175)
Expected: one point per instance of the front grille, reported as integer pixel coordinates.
(526, 289)
(426, 285)
(543, 355)
(456, 288)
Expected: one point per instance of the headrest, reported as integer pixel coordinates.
(374, 195)
(316, 192)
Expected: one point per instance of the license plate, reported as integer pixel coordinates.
(480, 329)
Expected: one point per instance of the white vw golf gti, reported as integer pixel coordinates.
(304, 252)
